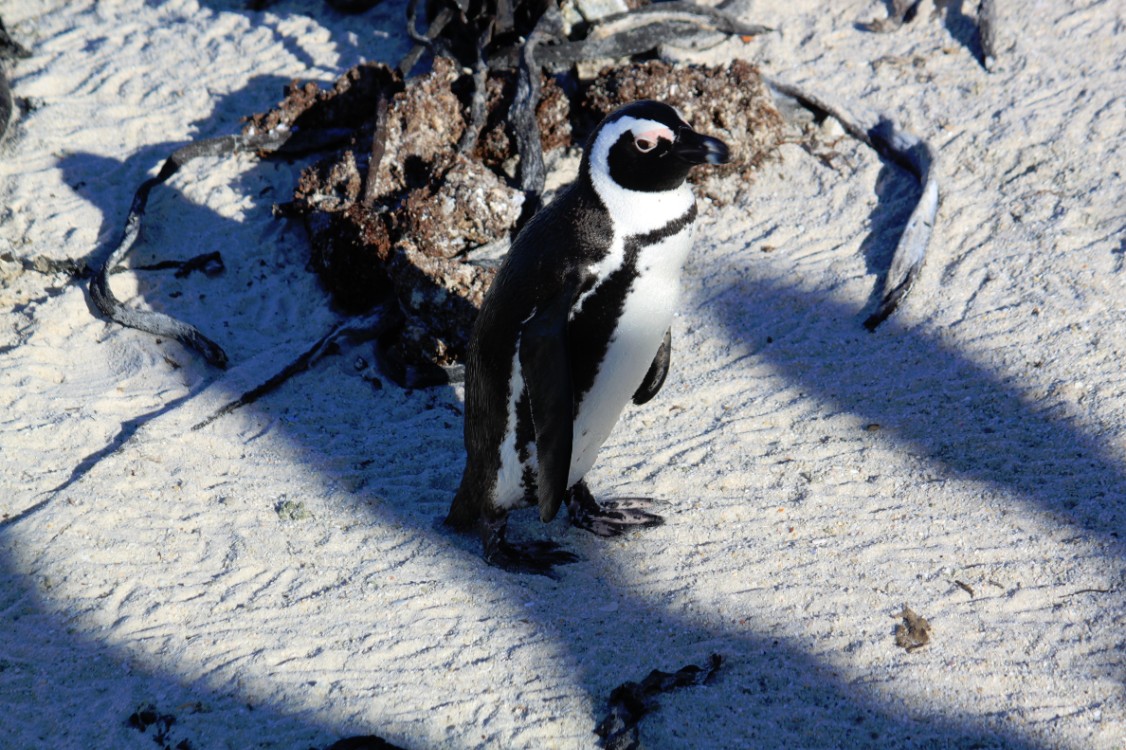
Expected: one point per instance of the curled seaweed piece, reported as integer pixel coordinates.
(368, 326)
(6, 103)
(642, 30)
(478, 102)
(523, 112)
(914, 155)
(987, 33)
(151, 321)
(630, 701)
(423, 42)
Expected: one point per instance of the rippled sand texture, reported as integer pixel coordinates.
(279, 579)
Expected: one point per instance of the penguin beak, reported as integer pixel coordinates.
(695, 148)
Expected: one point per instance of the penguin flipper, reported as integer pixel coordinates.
(658, 371)
(547, 376)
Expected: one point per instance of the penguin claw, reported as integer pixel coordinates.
(615, 517)
(536, 558)
(632, 503)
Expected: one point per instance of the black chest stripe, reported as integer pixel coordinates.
(635, 242)
(590, 330)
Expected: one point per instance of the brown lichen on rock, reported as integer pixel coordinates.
(341, 113)
(330, 185)
(349, 244)
(425, 122)
(352, 240)
(468, 207)
(438, 293)
(553, 113)
(497, 144)
(440, 298)
(427, 205)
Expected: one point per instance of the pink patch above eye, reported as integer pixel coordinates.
(654, 135)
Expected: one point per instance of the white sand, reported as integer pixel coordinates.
(162, 572)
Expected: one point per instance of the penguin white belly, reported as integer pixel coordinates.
(646, 314)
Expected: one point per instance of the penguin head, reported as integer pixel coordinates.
(647, 146)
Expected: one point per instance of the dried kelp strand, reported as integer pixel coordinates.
(523, 113)
(368, 326)
(631, 701)
(987, 33)
(150, 321)
(642, 30)
(913, 154)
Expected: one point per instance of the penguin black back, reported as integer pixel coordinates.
(535, 269)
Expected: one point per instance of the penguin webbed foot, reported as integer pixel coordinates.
(610, 518)
(537, 557)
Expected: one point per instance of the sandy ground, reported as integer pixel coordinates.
(278, 579)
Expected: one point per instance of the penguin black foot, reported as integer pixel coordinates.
(538, 558)
(610, 517)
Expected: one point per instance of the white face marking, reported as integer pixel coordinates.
(650, 130)
(634, 211)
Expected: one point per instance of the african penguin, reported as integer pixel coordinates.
(576, 324)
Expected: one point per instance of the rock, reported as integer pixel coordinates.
(404, 232)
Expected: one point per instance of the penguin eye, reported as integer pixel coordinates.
(645, 145)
